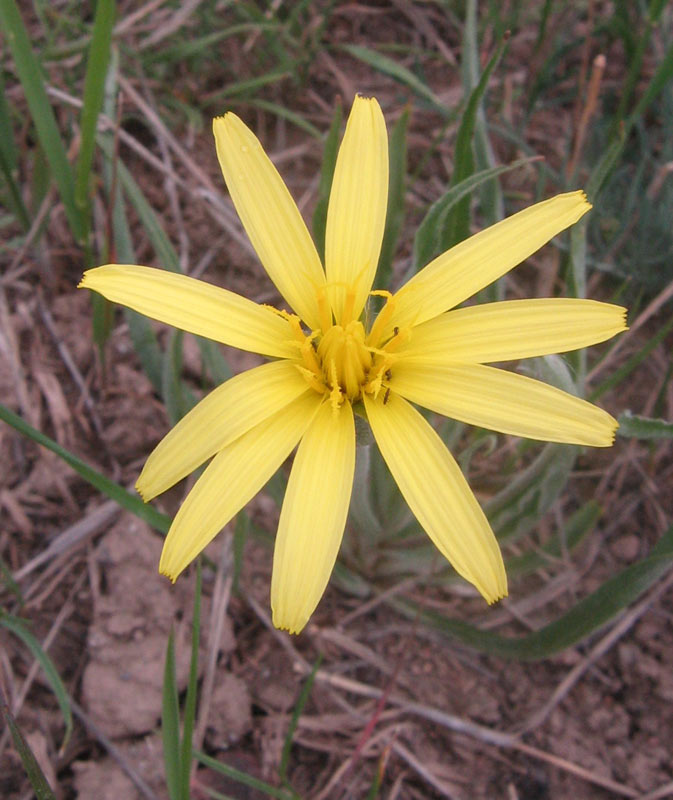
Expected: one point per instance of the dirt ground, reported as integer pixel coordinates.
(390, 697)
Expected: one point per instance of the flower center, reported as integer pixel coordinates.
(344, 359)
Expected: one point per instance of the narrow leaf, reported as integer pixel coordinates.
(396, 200)
(30, 764)
(170, 722)
(427, 241)
(30, 75)
(242, 777)
(457, 225)
(637, 427)
(92, 100)
(326, 175)
(17, 627)
(389, 67)
(186, 753)
(117, 493)
(583, 619)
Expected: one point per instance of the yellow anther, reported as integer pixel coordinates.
(336, 397)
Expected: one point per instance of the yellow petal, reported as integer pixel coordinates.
(503, 401)
(233, 477)
(357, 209)
(437, 493)
(514, 329)
(194, 306)
(478, 261)
(225, 414)
(313, 516)
(270, 217)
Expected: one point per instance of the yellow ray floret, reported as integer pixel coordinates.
(514, 329)
(270, 217)
(194, 306)
(356, 214)
(437, 493)
(313, 516)
(504, 401)
(483, 258)
(233, 478)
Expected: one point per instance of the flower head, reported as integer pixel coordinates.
(325, 361)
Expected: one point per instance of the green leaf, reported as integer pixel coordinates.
(457, 223)
(33, 770)
(329, 158)
(576, 528)
(243, 777)
(17, 627)
(9, 160)
(30, 75)
(622, 372)
(637, 427)
(288, 114)
(428, 239)
(297, 712)
(517, 508)
(186, 752)
(170, 722)
(92, 100)
(117, 493)
(583, 619)
(389, 67)
(396, 200)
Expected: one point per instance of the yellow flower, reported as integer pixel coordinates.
(326, 361)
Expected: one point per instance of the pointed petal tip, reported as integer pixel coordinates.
(172, 577)
(499, 595)
(624, 319)
(223, 120)
(143, 491)
(282, 622)
(606, 437)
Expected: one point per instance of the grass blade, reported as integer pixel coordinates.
(583, 619)
(396, 200)
(170, 722)
(115, 492)
(30, 75)
(457, 226)
(33, 770)
(9, 161)
(427, 242)
(389, 67)
(298, 709)
(326, 175)
(17, 627)
(92, 101)
(243, 777)
(186, 752)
